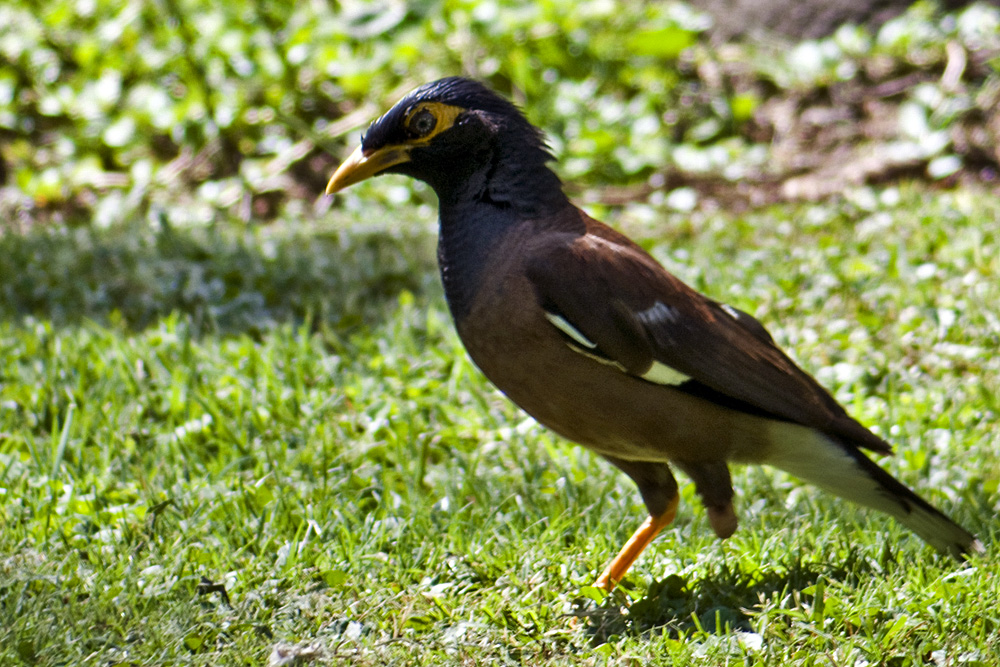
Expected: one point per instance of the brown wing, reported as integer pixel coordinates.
(631, 311)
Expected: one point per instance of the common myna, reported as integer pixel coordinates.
(592, 337)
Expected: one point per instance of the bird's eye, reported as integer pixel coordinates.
(421, 123)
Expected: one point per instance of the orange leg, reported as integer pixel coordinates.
(640, 539)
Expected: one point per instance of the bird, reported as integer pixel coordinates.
(592, 337)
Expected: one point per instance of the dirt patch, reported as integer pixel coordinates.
(936, 121)
(803, 19)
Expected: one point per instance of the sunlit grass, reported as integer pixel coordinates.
(342, 472)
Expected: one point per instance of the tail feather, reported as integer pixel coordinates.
(845, 471)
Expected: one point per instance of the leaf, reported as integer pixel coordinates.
(662, 43)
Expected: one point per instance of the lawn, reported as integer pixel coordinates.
(238, 428)
(348, 484)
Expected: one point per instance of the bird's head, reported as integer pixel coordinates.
(451, 133)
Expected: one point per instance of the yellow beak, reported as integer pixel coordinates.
(361, 165)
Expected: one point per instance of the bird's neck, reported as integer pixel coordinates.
(477, 215)
(507, 175)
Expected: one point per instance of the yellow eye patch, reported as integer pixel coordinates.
(429, 119)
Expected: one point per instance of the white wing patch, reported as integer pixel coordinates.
(560, 323)
(729, 310)
(598, 358)
(660, 373)
(658, 312)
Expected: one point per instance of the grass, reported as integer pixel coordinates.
(233, 434)
(318, 472)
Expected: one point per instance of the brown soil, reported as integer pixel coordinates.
(824, 140)
(803, 19)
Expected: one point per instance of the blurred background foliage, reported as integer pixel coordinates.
(151, 120)
(191, 110)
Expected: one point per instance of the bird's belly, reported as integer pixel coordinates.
(603, 408)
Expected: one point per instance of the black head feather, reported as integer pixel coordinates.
(490, 154)
(455, 91)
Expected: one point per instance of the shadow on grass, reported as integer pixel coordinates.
(719, 603)
(227, 279)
